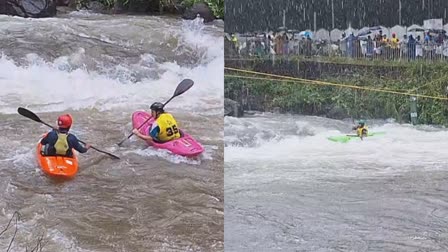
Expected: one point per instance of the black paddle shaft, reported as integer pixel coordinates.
(181, 88)
(27, 113)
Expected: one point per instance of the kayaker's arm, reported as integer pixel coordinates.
(141, 136)
(50, 137)
(74, 143)
(155, 132)
(44, 140)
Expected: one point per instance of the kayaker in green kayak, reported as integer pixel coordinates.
(361, 129)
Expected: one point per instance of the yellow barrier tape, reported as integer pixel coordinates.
(325, 61)
(323, 83)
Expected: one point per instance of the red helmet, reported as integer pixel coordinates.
(65, 121)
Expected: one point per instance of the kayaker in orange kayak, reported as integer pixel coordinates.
(164, 128)
(60, 142)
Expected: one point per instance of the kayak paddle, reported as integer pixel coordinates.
(181, 88)
(28, 114)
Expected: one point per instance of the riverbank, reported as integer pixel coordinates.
(339, 90)
(209, 10)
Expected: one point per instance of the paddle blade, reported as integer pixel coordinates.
(26, 113)
(183, 86)
(122, 141)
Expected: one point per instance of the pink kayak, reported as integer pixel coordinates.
(184, 146)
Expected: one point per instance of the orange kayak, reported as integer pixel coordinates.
(57, 166)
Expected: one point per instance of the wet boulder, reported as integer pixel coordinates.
(337, 112)
(232, 108)
(119, 7)
(64, 2)
(199, 9)
(28, 8)
(96, 6)
(139, 6)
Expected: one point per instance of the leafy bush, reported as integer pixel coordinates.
(305, 98)
(217, 6)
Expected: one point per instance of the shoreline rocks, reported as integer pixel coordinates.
(50, 8)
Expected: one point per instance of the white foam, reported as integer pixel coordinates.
(164, 154)
(403, 148)
(69, 244)
(65, 84)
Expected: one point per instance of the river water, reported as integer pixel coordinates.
(288, 188)
(100, 69)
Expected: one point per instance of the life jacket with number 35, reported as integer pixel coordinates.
(168, 127)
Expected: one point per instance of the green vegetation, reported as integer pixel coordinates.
(217, 6)
(345, 60)
(305, 98)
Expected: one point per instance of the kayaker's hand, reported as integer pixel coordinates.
(88, 146)
(135, 131)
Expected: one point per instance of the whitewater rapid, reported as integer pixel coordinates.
(101, 69)
(288, 187)
(135, 75)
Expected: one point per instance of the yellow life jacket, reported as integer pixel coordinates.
(168, 127)
(61, 145)
(360, 129)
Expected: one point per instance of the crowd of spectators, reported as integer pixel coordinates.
(431, 45)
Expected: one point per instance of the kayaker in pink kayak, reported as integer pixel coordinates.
(163, 129)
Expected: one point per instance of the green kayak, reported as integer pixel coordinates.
(347, 138)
